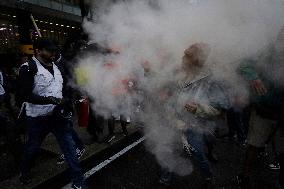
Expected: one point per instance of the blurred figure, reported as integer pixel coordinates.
(267, 101)
(200, 101)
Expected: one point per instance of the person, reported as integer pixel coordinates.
(267, 97)
(199, 102)
(46, 110)
(122, 90)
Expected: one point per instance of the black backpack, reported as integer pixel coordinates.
(32, 68)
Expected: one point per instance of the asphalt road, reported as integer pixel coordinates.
(138, 169)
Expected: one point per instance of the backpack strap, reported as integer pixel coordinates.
(32, 67)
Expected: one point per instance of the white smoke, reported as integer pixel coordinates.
(157, 32)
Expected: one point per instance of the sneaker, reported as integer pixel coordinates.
(60, 160)
(243, 182)
(128, 120)
(80, 153)
(274, 165)
(25, 179)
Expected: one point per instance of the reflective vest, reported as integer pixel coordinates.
(45, 84)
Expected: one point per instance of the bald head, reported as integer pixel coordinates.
(196, 55)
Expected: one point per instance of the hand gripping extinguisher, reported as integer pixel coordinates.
(83, 112)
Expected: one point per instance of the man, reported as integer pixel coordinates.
(267, 101)
(42, 91)
(199, 101)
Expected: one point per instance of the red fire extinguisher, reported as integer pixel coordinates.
(83, 112)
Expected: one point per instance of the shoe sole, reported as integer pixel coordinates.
(274, 168)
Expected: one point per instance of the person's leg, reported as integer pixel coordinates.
(80, 148)
(100, 123)
(210, 143)
(111, 125)
(78, 142)
(275, 139)
(240, 126)
(37, 131)
(92, 125)
(231, 122)
(196, 140)
(259, 132)
(64, 137)
(123, 123)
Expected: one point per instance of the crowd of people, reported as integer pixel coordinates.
(40, 97)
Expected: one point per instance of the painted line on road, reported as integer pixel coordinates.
(108, 161)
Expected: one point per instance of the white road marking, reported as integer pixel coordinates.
(108, 161)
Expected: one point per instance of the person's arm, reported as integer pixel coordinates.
(249, 73)
(202, 110)
(26, 85)
(218, 101)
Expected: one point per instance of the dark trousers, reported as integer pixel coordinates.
(111, 124)
(238, 121)
(38, 128)
(78, 142)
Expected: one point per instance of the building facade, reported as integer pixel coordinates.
(55, 19)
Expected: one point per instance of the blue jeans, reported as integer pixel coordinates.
(197, 142)
(38, 128)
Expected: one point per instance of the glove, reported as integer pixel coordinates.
(54, 100)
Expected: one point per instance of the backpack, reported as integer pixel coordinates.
(32, 68)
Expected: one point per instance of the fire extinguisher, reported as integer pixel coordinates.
(83, 112)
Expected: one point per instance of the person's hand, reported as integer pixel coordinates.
(258, 87)
(191, 107)
(54, 100)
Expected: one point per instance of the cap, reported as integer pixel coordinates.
(45, 44)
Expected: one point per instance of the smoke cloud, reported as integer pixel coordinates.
(154, 35)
